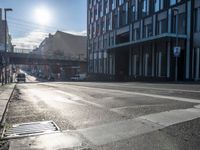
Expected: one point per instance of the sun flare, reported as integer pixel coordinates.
(42, 16)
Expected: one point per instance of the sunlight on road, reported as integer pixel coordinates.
(51, 97)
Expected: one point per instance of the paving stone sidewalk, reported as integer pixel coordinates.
(5, 94)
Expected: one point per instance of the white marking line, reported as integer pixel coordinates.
(149, 95)
(173, 117)
(163, 89)
(116, 131)
(50, 97)
(142, 87)
(136, 106)
(81, 99)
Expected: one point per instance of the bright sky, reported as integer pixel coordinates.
(32, 20)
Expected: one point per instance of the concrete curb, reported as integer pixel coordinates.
(5, 97)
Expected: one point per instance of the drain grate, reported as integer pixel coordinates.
(30, 129)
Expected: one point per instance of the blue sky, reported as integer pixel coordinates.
(25, 26)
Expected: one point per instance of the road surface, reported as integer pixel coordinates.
(118, 116)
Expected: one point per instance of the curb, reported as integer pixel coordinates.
(2, 120)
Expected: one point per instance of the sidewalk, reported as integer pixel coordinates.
(5, 94)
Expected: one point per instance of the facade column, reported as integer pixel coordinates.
(140, 56)
(134, 65)
(114, 73)
(168, 59)
(169, 20)
(187, 68)
(153, 61)
(197, 64)
(131, 32)
(159, 63)
(146, 64)
(130, 62)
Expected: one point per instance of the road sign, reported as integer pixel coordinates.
(177, 51)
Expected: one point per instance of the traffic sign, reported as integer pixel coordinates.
(177, 51)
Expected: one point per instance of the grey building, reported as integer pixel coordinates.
(66, 46)
(4, 25)
(134, 39)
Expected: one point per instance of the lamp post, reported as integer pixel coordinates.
(5, 57)
(79, 59)
(177, 24)
(12, 70)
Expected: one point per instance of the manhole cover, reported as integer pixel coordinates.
(30, 129)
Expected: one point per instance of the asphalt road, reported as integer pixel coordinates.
(117, 116)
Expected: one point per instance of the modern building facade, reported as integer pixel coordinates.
(134, 39)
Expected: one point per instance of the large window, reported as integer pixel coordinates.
(134, 10)
(196, 20)
(158, 5)
(137, 32)
(182, 23)
(124, 15)
(145, 7)
(115, 19)
(113, 4)
(161, 26)
(172, 2)
(121, 2)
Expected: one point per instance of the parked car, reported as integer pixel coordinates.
(21, 77)
(51, 78)
(79, 77)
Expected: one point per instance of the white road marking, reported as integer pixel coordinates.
(173, 117)
(163, 89)
(116, 131)
(116, 109)
(81, 99)
(145, 94)
(144, 87)
(51, 97)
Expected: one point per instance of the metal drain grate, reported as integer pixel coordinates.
(30, 129)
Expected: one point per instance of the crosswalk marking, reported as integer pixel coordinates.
(116, 131)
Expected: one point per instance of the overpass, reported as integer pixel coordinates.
(36, 59)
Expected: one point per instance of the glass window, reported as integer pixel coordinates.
(134, 10)
(137, 30)
(144, 8)
(124, 15)
(196, 20)
(149, 30)
(121, 2)
(163, 24)
(182, 23)
(133, 13)
(172, 2)
(157, 4)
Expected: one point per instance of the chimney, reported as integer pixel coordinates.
(0, 14)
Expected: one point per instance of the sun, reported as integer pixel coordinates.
(42, 16)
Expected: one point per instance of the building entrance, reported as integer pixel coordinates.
(122, 64)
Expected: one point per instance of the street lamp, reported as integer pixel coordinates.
(5, 57)
(79, 59)
(177, 24)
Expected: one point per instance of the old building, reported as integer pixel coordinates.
(135, 39)
(65, 46)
